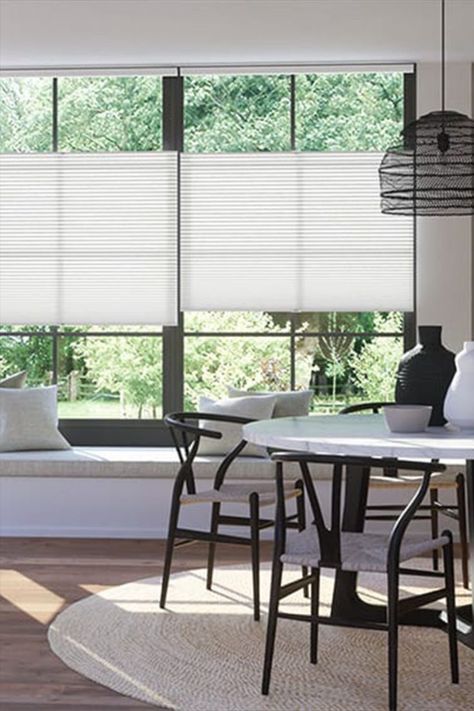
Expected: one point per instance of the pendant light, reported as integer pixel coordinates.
(431, 172)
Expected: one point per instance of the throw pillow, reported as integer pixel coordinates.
(14, 381)
(294, 403)
(29, 419)
(256, 408)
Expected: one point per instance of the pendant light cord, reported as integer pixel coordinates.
(443, 63)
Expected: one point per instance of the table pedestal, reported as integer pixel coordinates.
(346, 601)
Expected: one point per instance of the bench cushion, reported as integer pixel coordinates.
(146, 463)
(124, 462)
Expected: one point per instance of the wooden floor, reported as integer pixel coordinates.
(38, 579)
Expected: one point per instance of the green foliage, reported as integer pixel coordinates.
(110, 114)
(129, 366)
(31, 353)
(25, 115)
(348, 112)
(250, 363)
(375, 367)
(334, 112)
(237, 113)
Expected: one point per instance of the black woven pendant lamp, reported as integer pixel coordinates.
(431, 172)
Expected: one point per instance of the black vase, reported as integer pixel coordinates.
(425, 372)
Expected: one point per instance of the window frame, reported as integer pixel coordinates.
(149, 432)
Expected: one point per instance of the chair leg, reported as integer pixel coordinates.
(173, 522)
(212, 545)
(271, 624)
(461, 503)
(255, 547)
(392, 614)
(301, 515)
(451, 607)
(434, 525)
(314, 612)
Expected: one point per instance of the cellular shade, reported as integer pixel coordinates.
(88, 238)
(291, 231)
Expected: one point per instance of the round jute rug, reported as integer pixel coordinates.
(205, 652)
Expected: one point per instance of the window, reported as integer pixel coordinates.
(115, 381)
(110, 114)
(248, 350)
(236, 113)
(328, 352)
(26, 115)
(348, 112)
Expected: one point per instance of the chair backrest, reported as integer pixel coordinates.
(374, 407)
(329, 534)
(186, 431)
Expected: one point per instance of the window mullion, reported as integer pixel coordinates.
(409, 115)
(54, 123)
(173, 338)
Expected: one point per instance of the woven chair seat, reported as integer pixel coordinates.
(361, 552)
(239, 493)
(439, 480)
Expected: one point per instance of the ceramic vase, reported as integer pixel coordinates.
(459, 403)
(425, 373)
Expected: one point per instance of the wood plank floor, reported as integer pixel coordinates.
(39, 577)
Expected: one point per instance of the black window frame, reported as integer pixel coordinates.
(149, 432)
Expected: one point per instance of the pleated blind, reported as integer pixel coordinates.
(88, 238)
(291, 231)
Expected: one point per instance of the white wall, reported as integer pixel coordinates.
(41, 32)
(129, 508)
(445, 244)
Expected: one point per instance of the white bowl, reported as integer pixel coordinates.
(407, 418)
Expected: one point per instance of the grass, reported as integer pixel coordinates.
(96, 410)
(111, 410)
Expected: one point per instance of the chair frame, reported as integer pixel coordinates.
(426, 512)
(187, 432)
(330, 556)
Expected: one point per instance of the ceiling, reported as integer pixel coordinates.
(78, 32)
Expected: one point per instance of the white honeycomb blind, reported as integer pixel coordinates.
(88, 238)
(291, 231)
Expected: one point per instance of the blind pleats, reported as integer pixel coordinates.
(291, 231)
(93, 238)
(88, 238)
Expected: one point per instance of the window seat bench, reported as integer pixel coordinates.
(109, 492)
(117, 492)
(124, 462)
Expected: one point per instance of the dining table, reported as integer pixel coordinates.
(368, 436)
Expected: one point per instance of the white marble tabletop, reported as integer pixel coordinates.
(359, 435)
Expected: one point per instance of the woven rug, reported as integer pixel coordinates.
(205, 652)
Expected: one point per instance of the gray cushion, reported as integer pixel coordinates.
(17, 380)
(143, 463)
(129, 463)
(29, 419)
(287, 403)
(255, 408)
